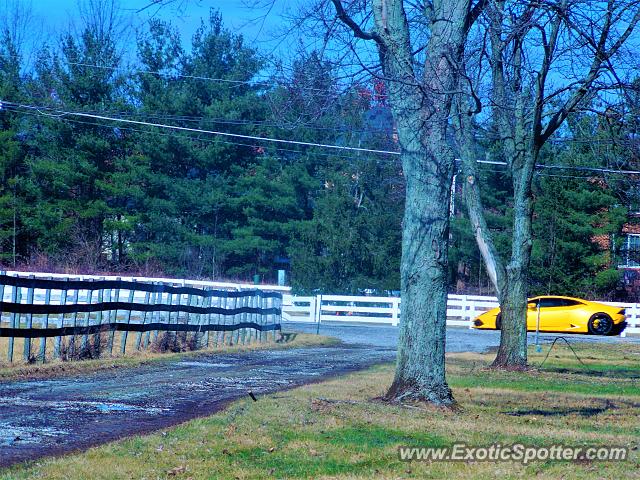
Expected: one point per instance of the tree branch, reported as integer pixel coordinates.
(353, 25)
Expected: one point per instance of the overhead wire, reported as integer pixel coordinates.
(56, 113)
(213, 141)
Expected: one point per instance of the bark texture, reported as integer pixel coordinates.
(421, 109)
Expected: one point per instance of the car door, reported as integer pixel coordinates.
(574, 314)
(532, 314)
(553, 314)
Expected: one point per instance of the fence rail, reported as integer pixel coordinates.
(88, 308)
(461, 310)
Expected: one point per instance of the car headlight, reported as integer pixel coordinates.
(622, 312)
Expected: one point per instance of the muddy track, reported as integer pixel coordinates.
(57, 416)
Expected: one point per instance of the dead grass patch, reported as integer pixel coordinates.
(335, 429)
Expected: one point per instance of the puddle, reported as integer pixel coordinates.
(206, 364)
(17, 435)
(78, 406)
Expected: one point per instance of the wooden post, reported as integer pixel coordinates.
(124, 335)
(45, 324)
(236, 333)
(113, 318)
(86, 322)
(221, 320)
(225, 302)
(157, 314)
(147, 296)
(72, 342)
(205, 339)
(256, 302)
(233, 304)
(27, 341)
(271, 318)
(57, 346)
(1, 295)
(97, 337)
(249, 301)
(15, 298)
(395, 311)
(190, 299)
(246, 332)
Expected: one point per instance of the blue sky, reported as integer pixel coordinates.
(56, 15)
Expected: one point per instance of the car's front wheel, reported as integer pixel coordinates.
(600, 324)
(499, 322)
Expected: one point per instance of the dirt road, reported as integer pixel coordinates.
(49, 417)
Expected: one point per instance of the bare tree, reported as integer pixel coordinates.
(420, 47)
(545, 60)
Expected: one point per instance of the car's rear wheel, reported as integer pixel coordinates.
(499, 322)
(600, 324)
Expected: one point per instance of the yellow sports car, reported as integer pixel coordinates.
(564, 314)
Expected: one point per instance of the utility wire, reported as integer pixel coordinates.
(205, 140)
(210, 79)
(62, 113)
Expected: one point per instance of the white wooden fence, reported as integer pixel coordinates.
(461, 310)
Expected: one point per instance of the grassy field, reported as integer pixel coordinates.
(338, 428)
(20, 370)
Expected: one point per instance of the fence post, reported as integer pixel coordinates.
(45, 324)
(632, 320)
(260, 317)
(15, 298)
(156, 314)
(318, 314)
(97, 337)
(197, 336)
(57, 346)
(113, 318)
(123, 339)
(27, 340)
(221, 302)
(395, 311)
(72, 343)
(147, 296)
(87, 321)
(2, 293)
(473, 312)
(208, 302)
(245, 301)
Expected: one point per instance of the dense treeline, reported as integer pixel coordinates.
(93, 195)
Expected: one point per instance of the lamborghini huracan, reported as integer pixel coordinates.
(563, 314)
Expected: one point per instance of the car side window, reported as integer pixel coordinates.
(570, 303)
(551, 302)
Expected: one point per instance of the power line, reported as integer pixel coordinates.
(204, 140)
(205, 78)
(63, 113)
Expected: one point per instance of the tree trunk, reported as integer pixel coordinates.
(512, 352)
(420, 369)
(421, 110)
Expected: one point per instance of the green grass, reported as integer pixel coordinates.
(339, 428)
